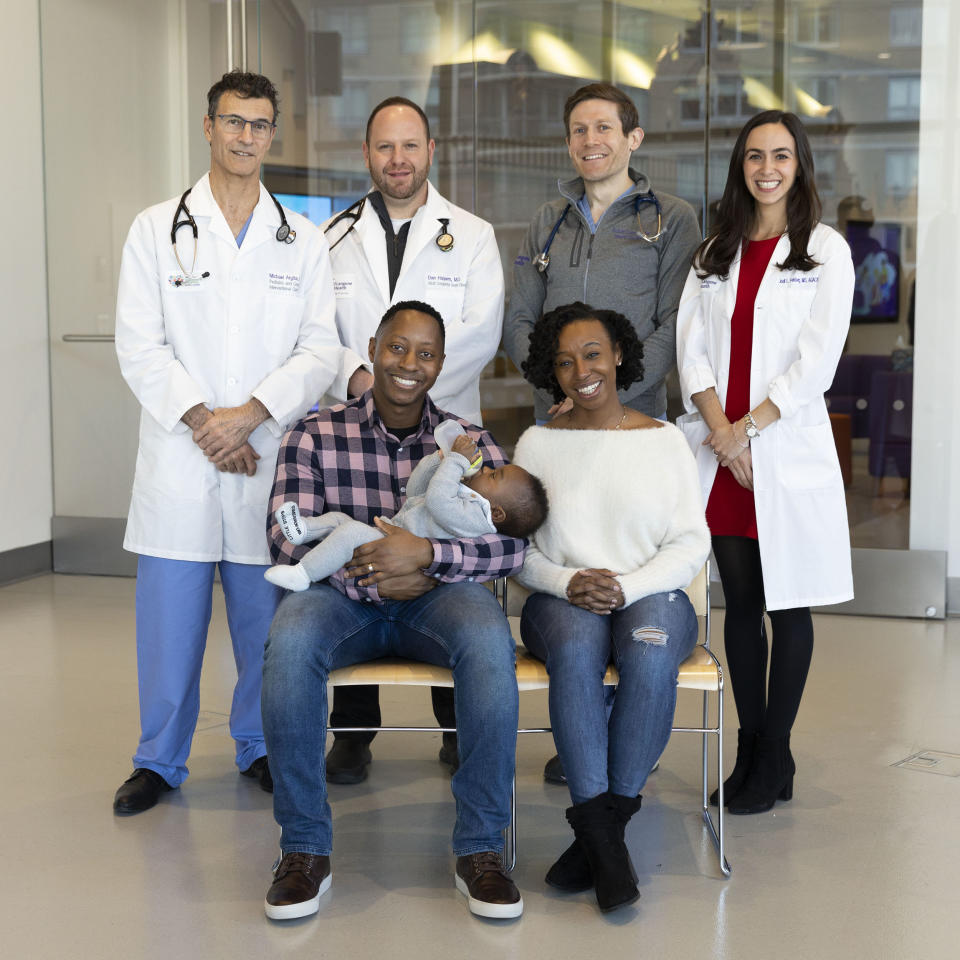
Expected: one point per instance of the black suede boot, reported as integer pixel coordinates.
(599, 826)
(746, 747)
(571, 873)
(770, 778)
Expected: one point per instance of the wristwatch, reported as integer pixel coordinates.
(750, 427)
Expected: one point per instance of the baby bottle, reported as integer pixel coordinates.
(445, 434)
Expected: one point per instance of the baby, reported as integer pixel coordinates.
(443, 500)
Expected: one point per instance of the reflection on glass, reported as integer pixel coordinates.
(493, 77)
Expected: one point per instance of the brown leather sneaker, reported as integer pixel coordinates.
(298, 883)
(489, 891)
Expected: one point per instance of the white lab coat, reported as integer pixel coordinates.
(261, 324)
(800, 324)
(465, 284)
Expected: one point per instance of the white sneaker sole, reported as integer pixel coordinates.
(496, 911)
(290, 911)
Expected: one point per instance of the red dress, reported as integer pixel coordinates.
(730, 509)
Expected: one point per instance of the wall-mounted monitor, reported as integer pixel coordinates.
(316, 209)
(876, 262)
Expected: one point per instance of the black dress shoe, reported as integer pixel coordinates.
(347, 761)
(553, 771)
(480, 877)
(140, 791)
(298, 883)
(260, 770)
(449, 752)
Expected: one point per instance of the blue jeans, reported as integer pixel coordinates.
(174, 603)
(456, 625)
(647, 642)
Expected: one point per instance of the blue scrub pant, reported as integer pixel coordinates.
(174, 603)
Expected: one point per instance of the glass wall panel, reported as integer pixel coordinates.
(493, 75)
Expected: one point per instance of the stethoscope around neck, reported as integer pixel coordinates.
(285, 234)
(542, 260)
(444, 239)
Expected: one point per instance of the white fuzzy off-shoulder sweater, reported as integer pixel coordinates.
(624, 500)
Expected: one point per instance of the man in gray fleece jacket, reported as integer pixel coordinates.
(618, 247)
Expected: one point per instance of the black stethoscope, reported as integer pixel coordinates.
(284, 232)
(444, 241)
(542, 260)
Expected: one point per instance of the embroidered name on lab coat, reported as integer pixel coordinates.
(343, 287)
(283, 282)
(792, 280)
(441, 281)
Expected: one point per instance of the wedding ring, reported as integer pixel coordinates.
(370, 567)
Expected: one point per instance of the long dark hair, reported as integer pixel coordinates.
(737, 208)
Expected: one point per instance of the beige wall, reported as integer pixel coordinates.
(26, 490)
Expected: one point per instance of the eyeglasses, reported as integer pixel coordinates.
(260, 129)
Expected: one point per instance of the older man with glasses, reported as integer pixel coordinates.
(226, 335)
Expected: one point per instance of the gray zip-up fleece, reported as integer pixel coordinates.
(613, 269)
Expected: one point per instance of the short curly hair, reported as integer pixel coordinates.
(247, 86)
(538, 367)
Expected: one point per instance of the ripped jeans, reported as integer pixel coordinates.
(647, 642)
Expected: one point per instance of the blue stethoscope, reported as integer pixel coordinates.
(542, 260)
(284, 232)
(444, 241)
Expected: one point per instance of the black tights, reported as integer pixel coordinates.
(765, 708)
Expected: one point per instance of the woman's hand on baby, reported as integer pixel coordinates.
(466, 447)
(595, 590)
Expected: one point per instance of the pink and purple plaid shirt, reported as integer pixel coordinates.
(344, 458)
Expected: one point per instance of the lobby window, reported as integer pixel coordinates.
(739, 26)
(353, 105)
(823, 90)
(906, 23)
(353, 26)
(690, 175)
(815, 24)
(902, 172)
(903, 98)
(418, 29)
(727, 99)
(825, 171)
(691, 102)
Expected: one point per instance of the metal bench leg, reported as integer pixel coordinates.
(510, 834)
(716, 831)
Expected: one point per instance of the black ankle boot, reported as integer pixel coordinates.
(770, 777)
(746, 746)
(599, 826)
(571, 873)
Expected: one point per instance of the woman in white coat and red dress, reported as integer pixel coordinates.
(761, 326)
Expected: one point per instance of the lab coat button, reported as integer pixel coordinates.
(231, 381)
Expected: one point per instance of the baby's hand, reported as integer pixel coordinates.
(465, 447)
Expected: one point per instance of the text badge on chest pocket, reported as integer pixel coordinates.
(445, 292)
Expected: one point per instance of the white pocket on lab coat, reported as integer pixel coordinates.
(806, 456)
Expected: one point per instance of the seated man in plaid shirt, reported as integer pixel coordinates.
(403, 596)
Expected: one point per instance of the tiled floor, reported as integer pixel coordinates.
(864, 863)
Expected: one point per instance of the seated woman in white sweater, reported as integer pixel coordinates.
(625, 534)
